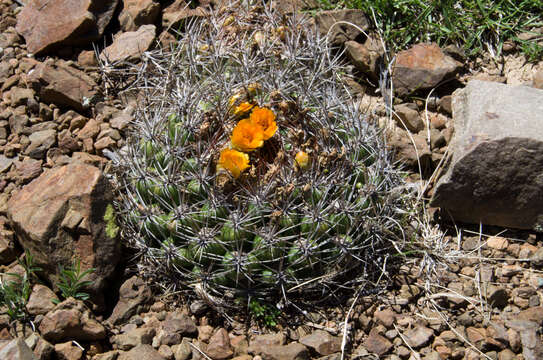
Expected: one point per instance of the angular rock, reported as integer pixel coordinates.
(134, 338)
(40, 301)
(341, 32)
(377, 344)
(138, 12)
(27, 169)
(408, 118)
(44, 350)
(322, 342)
(133, 295)
(38, 210)
(497, 151)
(141, 352)
(179, 11)
(68, 351)
(173, 330)
(366, 57)
(219, 346)
(20, 96)
(292, 351)
(17, 349)
(47, 25)
(71, 320)
(129, 46)
(423, 66)
(40, 142)
(63, 85)
(412, 150)
(419, 336)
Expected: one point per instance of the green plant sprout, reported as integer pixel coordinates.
(71, 282)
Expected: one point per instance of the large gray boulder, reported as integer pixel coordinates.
(495, 175)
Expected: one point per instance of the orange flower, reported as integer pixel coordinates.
(234, 161)
(243, 108)
(247, 136)
(265, 119)
(302, 159)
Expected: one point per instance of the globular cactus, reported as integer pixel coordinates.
(313, 208)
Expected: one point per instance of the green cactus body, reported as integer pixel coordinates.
(248, 216)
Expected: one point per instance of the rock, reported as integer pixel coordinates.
(534, 314)
(536, 258)
(27, 170)
(497, 297)
(121, 120)
(377, 344)
(138, 12)
(387, 317)
(182, 351)
(134, 338)
(40, 301)
(497, 148)
(141, 352)
(421, 67)
(197, 307)
(497, 243)
(40, 142)
(110, 355)
(292, 351)
(293, 6)
(133, 295)
(44, 350)
(49, 25)
(104, 143)
(179, 11)
(68, 351)
(20, 96)
(219, 346)
(260, 342)
(411, 153)
(71, 320)
(8, 253)
(63, 85)
(129, 46)
(5, 163)
(538, 80)
(173, 330)
(38, 210)
(366, 57)
(506, 355)
(87, 58)
(419, 336)
(322, 342)
(17, 349)
(408, 118)
(532, 348)
(341, 33)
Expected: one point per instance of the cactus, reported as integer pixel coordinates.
(316, 206)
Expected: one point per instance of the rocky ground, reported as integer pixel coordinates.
(59, 120)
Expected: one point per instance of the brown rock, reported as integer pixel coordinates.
(87, 58)
(423, 66)
(534, 314)
(179, 11)
(138, 12)
(538, 80)
(322, 342)
(134, 294)
(260, 342)
(497, 243)
(39, 208)
(172, 330)
(40, 142)
(63, 85)
(219, 345)
(68, 351)
(44, 350)
(377, 344)
(27, 170)
(71, 320)
(141, 352)
(134, 338)
(366, 57)
(49, 25)
(16, 349)
(419, 336)
(411, 153)
(89, 131)
(408, 118)
(104, 143)
(387, 317)
(129, 46)
(40, 301)
(292, 351)
(182, 351)
(20, 96)
(339, 33)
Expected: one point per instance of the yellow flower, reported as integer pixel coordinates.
(243, 108)
(302, 159)
(265, 119)
(247, 136)
(234, 161)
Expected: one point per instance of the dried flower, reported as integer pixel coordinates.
(247, 136)
(265, 119)
(302, 159)
(243, 108)
(234, 161)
